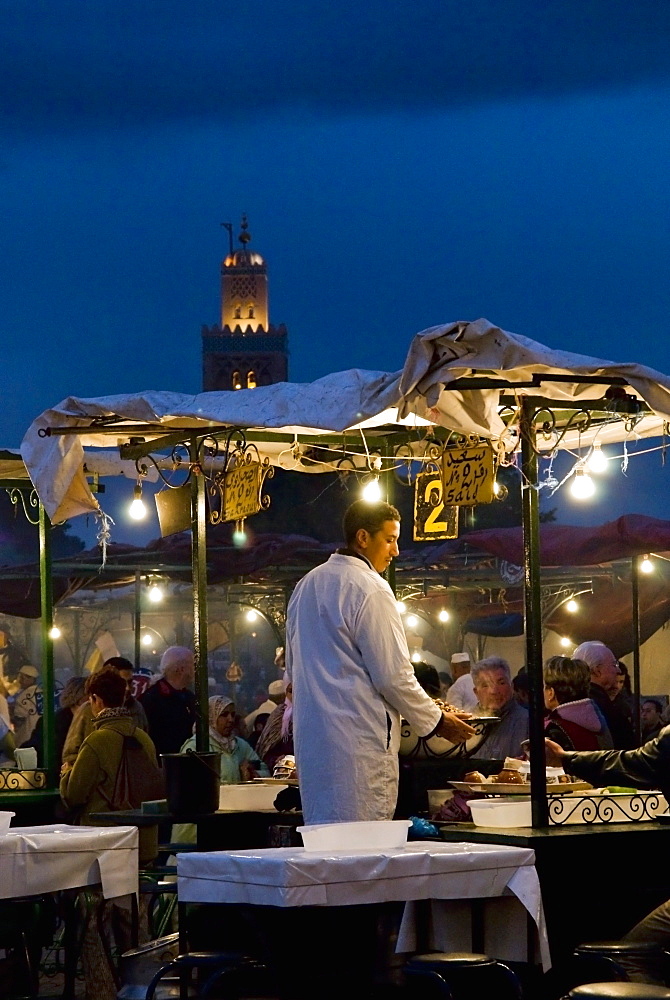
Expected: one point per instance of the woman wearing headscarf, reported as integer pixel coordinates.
(239, 761)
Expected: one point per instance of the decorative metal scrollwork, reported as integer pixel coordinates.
(605, 808)
(17, 496)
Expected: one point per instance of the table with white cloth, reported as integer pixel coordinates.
(39, 860)
(451, 876)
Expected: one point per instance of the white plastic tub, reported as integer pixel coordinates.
(5, 820)
(249, 796)
(376, 835)
(501, 812)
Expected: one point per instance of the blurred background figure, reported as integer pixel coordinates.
(446, 680)
(521, 689)
(651, 717)
(276, 695)
(170, 705)
(573, 720)
(276, 740)
(605, 686)
(25, 712)
(462, 693)
(239, 761)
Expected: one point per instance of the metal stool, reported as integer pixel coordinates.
(217, 963)
(461, 976)
(618, 991)
(621, 958)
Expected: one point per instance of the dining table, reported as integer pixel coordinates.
(445, 896)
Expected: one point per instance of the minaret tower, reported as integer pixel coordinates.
(245, 350)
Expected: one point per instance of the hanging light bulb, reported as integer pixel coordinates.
(566, 642)
(597, 460)
(156, 593)
(401, 606)
(582, 485)
(372, 491)
(646, 566)
(251, 615)
(239, 535)
(411, 621)
(443, 615)
(146, 639)
(416, 657)
(138, 508)
(54, 632)
(572, 606)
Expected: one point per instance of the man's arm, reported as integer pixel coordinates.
(646, 767)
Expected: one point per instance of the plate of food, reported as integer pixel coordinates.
(515, 787)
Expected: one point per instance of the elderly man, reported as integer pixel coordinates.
(348, 661)
(169, 704)
(495, 695)
(604, 668)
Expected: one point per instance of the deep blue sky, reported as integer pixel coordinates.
(402, 163)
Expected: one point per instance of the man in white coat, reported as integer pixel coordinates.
(347, 658)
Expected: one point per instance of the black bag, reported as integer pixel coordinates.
(138, 779)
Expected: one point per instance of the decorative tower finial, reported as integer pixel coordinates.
(245, 235)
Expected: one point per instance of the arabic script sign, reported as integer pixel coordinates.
(467, 475)
(242, 491)
(432, 520)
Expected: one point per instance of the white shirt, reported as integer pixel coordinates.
(462, 695)
(347, 657)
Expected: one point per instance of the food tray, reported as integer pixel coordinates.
(498, 788)
(276, 781)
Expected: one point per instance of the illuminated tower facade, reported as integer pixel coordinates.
(245, 350)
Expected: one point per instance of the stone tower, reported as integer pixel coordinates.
(246, 350)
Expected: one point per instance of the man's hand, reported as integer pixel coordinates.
(65, 767)
(247, 772)
(554, 753)
(452, 727)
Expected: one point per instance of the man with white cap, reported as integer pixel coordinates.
(276, 695)
(604, 668)
(26, 712)
(462, 691)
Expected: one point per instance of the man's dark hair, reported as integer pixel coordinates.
(370, 516)
(109, 686)
(118, 663)
(428, 678)
(570, 679)
(655, 702)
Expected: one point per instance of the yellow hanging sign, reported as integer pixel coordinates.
(242, 491)
(467, 475)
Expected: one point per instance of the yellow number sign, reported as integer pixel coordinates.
(432, 520)
(467, 475)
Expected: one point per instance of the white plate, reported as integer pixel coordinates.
(498, 788)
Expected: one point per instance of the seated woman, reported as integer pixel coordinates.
(239, 761)
(573, 719)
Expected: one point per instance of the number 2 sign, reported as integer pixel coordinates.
(432, 520)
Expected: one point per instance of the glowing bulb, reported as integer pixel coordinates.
(416, 657)
(138, 508)
(372, 491)
(155, 593)
(251, 615)
(411, 621)
(443, 615)
(54, 632)
(646, 566)
(582, 485)
(572, 606)
(597, 460)
(401, 606)
(146, 639)
(566, 642)
(239, 538)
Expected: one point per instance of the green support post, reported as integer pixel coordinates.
(530, 513)
(137, 620)
(635, 587)
(199, 575)
(48, 685)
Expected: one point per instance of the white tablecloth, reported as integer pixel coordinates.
(40, 859)
(439, 872)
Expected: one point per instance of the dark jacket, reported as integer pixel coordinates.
(616, 717)
(171, 715)
(646, 767)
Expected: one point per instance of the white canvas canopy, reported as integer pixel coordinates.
(432, 388)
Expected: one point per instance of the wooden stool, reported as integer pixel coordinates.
(619, 959)
(463, 976)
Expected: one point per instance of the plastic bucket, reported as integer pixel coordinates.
(192, 782)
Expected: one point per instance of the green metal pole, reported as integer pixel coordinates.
(635, 587)
(530, 514)
(387, 478)
(199, 576)
(48, 686)
(137, 620)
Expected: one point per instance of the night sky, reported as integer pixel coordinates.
(403, 163)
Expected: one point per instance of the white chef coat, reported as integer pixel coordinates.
(347, 657)
(462, 695)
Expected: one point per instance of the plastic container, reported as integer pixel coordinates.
(501, 812)
(192, 782)
(5, 820)
(249, 796)
(375, 835)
